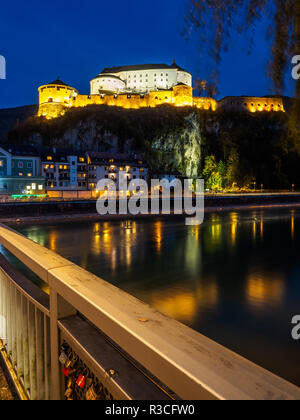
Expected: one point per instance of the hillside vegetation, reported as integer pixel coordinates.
(10, 118)
(227, 148)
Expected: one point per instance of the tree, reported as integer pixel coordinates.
(216, 21)
(212, 177)
(232, 169)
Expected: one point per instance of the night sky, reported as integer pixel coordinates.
(76, 40)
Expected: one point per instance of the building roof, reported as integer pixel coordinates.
(111, 76)
(58, 155)
(119, 158)
(143, 67)
(19, 150)
(59, 83)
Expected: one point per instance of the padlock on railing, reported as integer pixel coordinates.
(63, 358)
(81, 380)
(91, 394)
(68, 372)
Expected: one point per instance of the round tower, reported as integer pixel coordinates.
(55, 98)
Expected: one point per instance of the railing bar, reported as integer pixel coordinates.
(47, 357)
(9, 326)
(27, 295)
(32, 350)
(40, 354)
(5, 311)
(20, 360)
(25, 344)
(13, 326)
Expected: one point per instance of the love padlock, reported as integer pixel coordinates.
(69, 393)
(81, 381)
(68, 371)
(91, 394)
(63, 358)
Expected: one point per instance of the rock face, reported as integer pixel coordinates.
(181, 151)
(170, 138)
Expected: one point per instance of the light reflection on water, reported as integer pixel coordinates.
(236, 278)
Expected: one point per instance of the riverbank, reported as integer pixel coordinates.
(83, 211)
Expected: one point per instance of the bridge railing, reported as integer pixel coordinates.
(133, 350)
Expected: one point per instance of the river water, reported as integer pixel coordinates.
(236, 278)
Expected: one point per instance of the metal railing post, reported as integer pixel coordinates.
(58, 309)
(54, 346)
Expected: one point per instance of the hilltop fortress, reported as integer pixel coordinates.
(143, 86)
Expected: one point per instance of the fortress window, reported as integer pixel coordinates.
(50, 99)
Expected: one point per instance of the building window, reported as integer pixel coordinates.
(29, 165)
(49, 157)
(20, 165)
(20, 174)
(1, 163)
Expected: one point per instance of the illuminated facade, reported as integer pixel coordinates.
(143, 78)
(145, 86)
(252, 104)
(64, 171)
(20, 171)
(109, 165)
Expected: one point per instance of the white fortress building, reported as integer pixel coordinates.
(143, 86)
(140, 79)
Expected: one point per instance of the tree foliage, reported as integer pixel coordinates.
(217, 20)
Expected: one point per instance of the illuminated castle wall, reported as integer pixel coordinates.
(252, 104)
(114, 87)
(56, 98)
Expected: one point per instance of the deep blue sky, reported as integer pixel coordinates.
(76, 40)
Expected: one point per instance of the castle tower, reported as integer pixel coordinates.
(55, 98)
